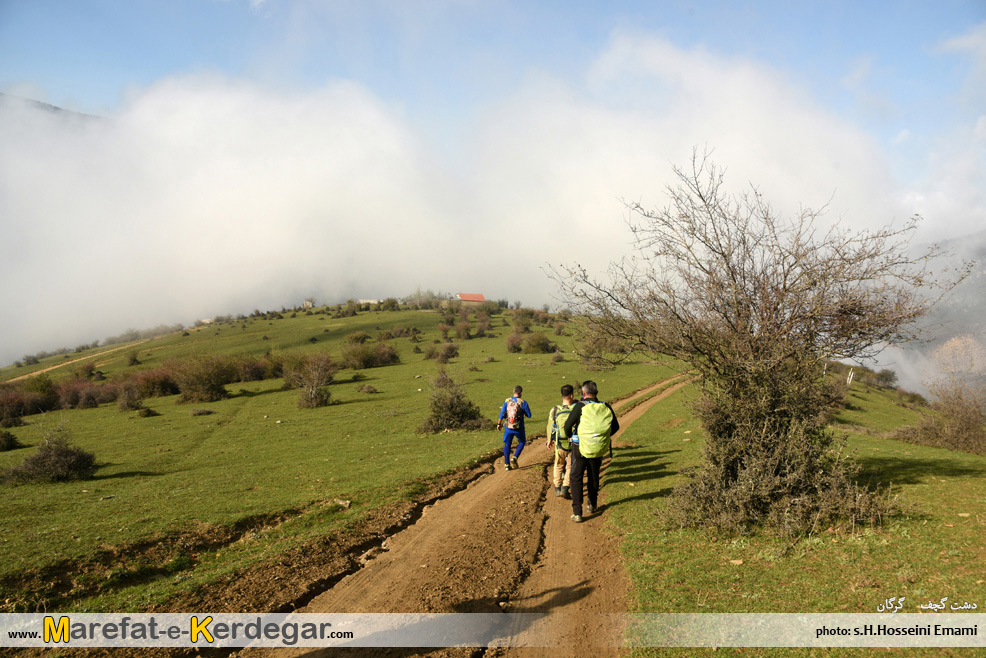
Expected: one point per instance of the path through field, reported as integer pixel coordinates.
(505, 543)
(88, 357)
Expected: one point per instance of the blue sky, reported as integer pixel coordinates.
(427, 129)
(450, 57)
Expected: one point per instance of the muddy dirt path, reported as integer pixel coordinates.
(504, 543)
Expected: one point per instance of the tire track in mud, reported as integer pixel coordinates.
(501, 544)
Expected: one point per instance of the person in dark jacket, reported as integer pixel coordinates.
(580, 464)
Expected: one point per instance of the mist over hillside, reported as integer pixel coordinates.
(205, 195)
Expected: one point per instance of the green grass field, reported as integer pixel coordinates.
(935, 549)
(260, 463)
(258, 456)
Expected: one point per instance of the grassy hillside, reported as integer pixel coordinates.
(181, 500)
(189, 480)
(936, 548)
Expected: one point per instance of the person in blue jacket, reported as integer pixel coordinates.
(511, 418)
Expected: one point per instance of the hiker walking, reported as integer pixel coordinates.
(559, 439)
(591, 423)
(512, 420)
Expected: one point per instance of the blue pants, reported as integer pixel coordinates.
(508, 440)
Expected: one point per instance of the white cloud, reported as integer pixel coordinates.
(972, 44)
(208, 195)
(902, 137)
(979, 132)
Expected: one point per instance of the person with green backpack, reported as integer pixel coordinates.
(557, 437)
(591, 424)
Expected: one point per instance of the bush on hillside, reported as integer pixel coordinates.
(81, 394)
(359, 356)
(204, 379)
(537, 343)
(310, 375)
(8, 441)
(54, 461)
(451, 409)
(11, 421)
(958, 421)
(157, 382)
(886, 378)
(357, 337)
(128, 396)
(32, 396)
(514, 343)
(85, 370)
(252, 370)
(442, 352)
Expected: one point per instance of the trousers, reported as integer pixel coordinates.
(591, 469)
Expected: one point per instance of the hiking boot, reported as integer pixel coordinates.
(513, 462)
(590, 508)
(506, 465)
(565, 494)
(577, 518)
(557, 491)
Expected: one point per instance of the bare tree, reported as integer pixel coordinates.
(310, 375)
(755, 303)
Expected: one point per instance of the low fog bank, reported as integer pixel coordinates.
(205, 195)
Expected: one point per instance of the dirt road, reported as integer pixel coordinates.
(89, 357)
(504, 543)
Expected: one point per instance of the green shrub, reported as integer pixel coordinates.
(358, 355)
(451, 409)
(8, 441)
(128, 397)
(442, 352)
(537, 343)
(357, 337)
(514, 342)
(54, 461)
(204, 379)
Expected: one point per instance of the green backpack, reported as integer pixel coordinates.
(561, 415)
(594, 427)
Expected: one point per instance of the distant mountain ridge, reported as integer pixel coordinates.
(10, 100)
